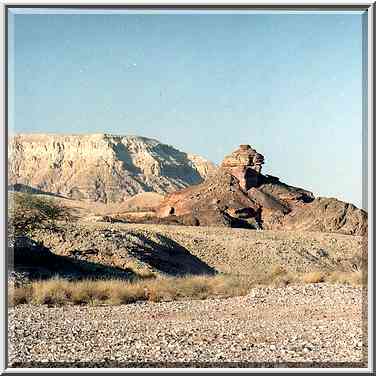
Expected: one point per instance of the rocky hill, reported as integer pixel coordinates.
(239, 195)
(101, 167)
(182, 250)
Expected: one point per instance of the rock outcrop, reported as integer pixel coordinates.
(245, 164)
(239, 195)
(328, 215)
(101, 167)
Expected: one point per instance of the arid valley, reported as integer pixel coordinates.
(126, 252)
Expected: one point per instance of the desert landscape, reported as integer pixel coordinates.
(126, 252)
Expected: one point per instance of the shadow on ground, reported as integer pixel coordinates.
(168, 256)
(23, 188)
(34, 261)
(31, 260)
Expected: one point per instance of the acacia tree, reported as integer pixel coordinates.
(28, 212)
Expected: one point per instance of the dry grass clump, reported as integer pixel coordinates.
(121, 292)
(141, 271)
(313, 277)
(277, 270)
(19, 295)
(54, 291)
(60, 292)
(350, 278)
(279, 276)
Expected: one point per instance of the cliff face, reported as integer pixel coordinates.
(101, 167)
(238, 195)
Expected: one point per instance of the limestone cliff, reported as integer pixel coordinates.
(101, 167)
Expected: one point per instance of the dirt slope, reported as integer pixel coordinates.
(179, 250)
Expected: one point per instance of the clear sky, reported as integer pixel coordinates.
(288, 84)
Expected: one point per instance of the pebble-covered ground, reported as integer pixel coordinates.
(317, 325)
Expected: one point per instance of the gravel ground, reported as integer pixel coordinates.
(316, 325)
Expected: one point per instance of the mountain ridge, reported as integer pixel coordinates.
(101, 166)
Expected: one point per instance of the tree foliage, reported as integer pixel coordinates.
(28, 212)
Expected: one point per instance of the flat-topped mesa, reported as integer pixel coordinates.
(245, 164)
(101, 167)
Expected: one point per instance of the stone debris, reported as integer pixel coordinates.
(315, 325)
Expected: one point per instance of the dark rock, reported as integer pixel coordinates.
(322, 253)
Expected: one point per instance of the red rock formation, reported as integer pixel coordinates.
(238, 195)
(245, 164)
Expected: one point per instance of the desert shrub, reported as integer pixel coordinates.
(19, 295)
(28, 212)
(140, 270)
(59, 292)
(54, 291)
(126, 292)
(277, 270)
(350, 278)
(89, 292)
(161, 289)
(279, 276)
(313, 277)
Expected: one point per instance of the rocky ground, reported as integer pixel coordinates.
(315, 325)
(197, 250)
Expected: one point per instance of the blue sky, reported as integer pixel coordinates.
(288, 84)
